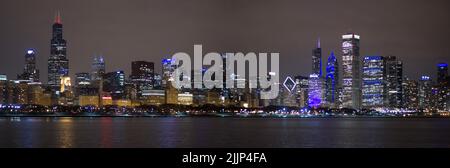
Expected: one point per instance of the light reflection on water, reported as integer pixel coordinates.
(223, 132)
(106, 132)
(66, 133)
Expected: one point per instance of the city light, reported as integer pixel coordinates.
(425, 78)
(373, 85)
(289, 84)
(442, 65)
(30, 51)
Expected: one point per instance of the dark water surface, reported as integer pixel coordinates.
(224, 132)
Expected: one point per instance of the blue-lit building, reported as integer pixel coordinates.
(315, 91)
(332, 80)
(373, 92)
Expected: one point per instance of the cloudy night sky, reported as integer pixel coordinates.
(416, 31)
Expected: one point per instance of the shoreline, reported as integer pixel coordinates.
(205, 116)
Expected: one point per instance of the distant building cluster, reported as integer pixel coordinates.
(369, 82)
(372, 83)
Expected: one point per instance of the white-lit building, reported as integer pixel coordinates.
(351, 85)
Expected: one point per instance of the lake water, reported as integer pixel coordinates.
(224, 132)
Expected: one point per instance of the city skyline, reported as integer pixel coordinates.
(132, 50)
(368, 82)
(207, 75)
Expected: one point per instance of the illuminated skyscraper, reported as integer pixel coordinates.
(425, 87)
(332, 80)
(443, 86)
(58, 64)
(83, 86)
(394, 77)
(351, 85)
(82, 79)
(410, 94)
(167, 71)
(30, 72)
(373, 82)
(225, 92)
(442, 73)
(18, 92)
(114, 83)
(3, 89)
(142, 74)
(157, 82)
(302, 90)
(315, 91)
(97, 76)
(317, 60)
(98, 68)
(288, 93)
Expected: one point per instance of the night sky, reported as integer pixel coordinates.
(417, 31)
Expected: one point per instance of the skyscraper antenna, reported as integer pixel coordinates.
(318, 43)
(58, 17)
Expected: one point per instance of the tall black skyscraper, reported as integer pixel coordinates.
(114, 83)
(30, 72)
(98, 68)
(393, 76)
(410, 94)
(58, 64)
(317, 60)
(442, 72)
(425, 92)
(142, 74)
(443, 85)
